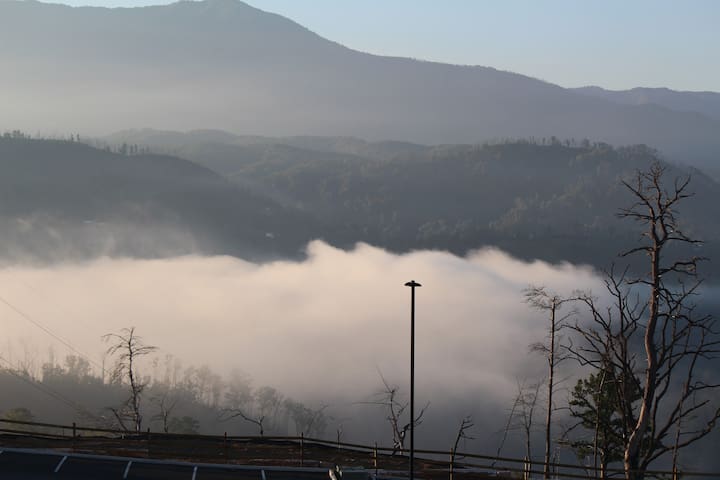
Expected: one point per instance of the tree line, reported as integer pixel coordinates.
(121, 394)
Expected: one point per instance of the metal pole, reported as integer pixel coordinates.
(412, 284)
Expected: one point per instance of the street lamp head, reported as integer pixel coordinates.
(412, 283)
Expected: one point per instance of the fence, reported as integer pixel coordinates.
(295, 451)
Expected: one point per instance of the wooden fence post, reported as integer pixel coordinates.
(452, 462)
(225, 447)
(74, 435)
(375, 459)
(302, 449)
(148, 442)
(526, 468)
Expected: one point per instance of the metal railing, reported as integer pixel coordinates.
(296, 451)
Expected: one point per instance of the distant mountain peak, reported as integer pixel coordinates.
(701, 102)
(227, 65)
(218, 4)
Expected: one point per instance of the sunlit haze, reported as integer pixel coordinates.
(613, 44)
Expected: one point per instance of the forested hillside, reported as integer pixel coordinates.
(549, 200)
(537, 199)
(64, 200)
(182, 399)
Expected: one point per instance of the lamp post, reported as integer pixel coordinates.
(412, 284)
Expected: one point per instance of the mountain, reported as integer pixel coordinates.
(223, 64)
(177, 142)
(705, 103)
(64, 200)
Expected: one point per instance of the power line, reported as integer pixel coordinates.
(52, 334)
(57, 307)
(48, 391)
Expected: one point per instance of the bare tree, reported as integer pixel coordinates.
(395, 408)
(128, 348)
(261, 407)
(508, 427)
(311, 422)
(166, 405)
(541, 299)
(238, 390)
(269, 403)
(526, 401)
(465, 424)
(258, 421)
(522, 417)
(651, 339)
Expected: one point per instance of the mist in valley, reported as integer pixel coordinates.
(323, 331)
(251, 199)
(320, 330)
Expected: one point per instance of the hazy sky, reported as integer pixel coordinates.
(612, 43)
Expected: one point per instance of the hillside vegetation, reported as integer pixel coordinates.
(63, 200)
(542, 199)
(265, 199)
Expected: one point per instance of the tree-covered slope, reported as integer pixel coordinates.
(553, 201)
(61, 198)
(556, 201)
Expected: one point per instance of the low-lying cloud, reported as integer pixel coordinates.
(318, 329)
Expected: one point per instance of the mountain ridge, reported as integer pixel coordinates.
(193, 65)
(703, 102)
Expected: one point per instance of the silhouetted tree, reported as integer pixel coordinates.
(166, 404)
(238, 391)
(311, 422)
(261, 408)
(395, 413)
(465, 424)
(652, 338)
(551, 303)
(258, 421)
(127, 347)
(524, 414)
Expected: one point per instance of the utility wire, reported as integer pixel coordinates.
(52, 334)
(48, 391)
(39, 293)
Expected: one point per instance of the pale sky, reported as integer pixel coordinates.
(616, 44)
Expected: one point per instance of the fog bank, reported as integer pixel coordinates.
(318, 330)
